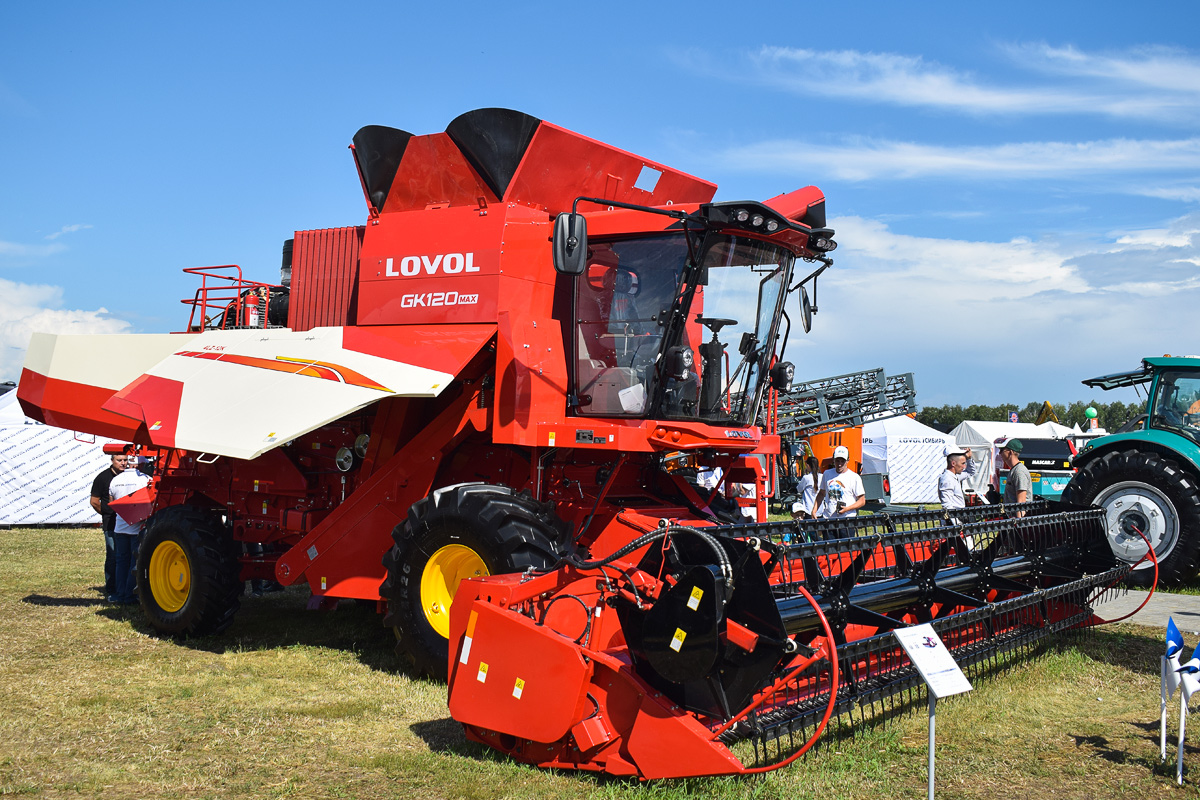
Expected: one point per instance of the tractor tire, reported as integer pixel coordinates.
(1153, 494)
(471, 529)
(188, 573)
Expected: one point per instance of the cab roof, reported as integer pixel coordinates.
(1144, 373)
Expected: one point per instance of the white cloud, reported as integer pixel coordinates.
(999, 321)
(1154, 67)
(1168, 81)
(26, 308)
(894, 79)
(1186, 194)
(17, 250)
(1158, 238)
(860, 159)
(67, 229)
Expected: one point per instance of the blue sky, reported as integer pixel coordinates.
(1015, 187)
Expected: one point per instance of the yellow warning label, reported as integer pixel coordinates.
(677, 641)
(518, 688)
(694, 601)
(552, 438)
(481, 676)
(256, 486)
(322, 584)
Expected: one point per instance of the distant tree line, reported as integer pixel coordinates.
(1108, 415)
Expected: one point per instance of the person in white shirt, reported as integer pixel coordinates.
(746, 490)
(709, 478)
(125, 535)
(950, 491)
(841, 493)
(807, 489)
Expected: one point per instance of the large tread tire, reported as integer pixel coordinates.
(188, 573)
(489, 526)
(1155, 494)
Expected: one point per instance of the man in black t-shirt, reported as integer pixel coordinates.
(108, 517)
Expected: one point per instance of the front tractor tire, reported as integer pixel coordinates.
(459, 532)
(188, 573)
(1147, 492)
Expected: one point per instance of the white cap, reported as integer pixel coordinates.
(841, 452)
(952, 449)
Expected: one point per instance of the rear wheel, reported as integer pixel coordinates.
(459, 532)
(1145, 492)
(188, 573)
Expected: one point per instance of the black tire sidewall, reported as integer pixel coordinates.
(212, 597)
(508, 532)
(1164, 474)
(413, 621)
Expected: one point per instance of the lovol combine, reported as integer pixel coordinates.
(488, 410)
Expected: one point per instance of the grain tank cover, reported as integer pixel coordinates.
(378, 150)
(493, 140)
(493, 155)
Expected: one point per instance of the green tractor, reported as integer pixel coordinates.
(1147, 475)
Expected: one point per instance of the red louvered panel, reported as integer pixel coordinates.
(324, 277)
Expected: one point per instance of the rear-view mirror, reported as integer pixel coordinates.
(570, 244)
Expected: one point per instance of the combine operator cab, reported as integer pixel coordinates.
(663, 331)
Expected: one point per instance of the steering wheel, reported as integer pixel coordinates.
(1172, 416)
(715, 324)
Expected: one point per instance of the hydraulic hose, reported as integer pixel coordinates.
(834, 681)
(663, 532)
(1154, 560)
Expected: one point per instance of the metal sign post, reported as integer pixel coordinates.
(939, 670)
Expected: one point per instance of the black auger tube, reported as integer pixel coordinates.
(905, 594)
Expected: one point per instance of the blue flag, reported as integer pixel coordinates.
(1189, 678)
(1174, 639)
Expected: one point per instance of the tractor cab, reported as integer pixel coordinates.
(1175, 404)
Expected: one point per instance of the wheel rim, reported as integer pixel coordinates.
(170, 576)
(1132, 504)
(445, 570)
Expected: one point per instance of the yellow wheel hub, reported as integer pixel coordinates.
(444, 571)
(170, 576)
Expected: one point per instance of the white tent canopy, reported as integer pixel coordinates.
(46, 473)
(912, 454)
(981, 436)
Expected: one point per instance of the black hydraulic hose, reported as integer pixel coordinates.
(663, 532)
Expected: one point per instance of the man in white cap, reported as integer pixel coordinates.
(841, 493)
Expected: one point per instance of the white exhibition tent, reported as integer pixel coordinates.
(981, 438)
(46, 473)
(913, 455)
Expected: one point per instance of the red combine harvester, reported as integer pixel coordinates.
(504, 385)
(436, 400)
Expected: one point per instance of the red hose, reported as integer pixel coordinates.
(769, 693)
(1154, 560)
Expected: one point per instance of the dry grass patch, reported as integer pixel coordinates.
(291, 703)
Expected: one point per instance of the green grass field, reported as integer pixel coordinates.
(292, 703)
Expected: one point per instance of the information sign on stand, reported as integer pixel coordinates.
(939, 670)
